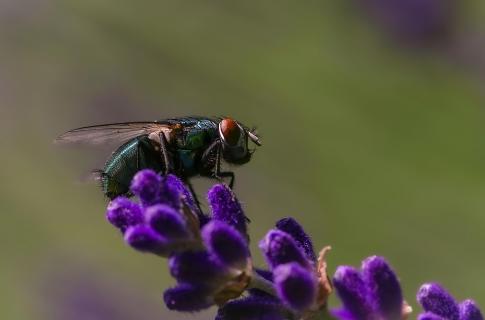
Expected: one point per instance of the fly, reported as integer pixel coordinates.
(186, 147)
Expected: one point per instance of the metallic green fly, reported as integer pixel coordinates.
(186, 147)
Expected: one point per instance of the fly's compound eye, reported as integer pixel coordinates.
(230, 131)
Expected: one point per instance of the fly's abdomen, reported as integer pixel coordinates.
(125, 162)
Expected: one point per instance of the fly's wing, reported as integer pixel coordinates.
(110, 133)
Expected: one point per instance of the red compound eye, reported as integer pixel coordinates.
(230, 131)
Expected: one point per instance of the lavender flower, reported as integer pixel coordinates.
(226, 208)
(210, 263)
(158, 223)
(296, 285)
(122, 213)
(209, 258)
(372, 293)
(439, 304)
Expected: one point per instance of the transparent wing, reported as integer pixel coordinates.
(110, 133)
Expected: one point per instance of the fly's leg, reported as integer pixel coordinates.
(228, 174)
(192, 191)
(207, 153)
(165, 155)
(217, 167)
(218, 174)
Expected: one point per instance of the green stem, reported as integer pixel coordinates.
(258, 282)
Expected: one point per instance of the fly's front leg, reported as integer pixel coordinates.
(217, 168)
(228, 174)
(165, 155)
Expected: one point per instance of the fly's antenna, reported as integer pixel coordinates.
(253, 136)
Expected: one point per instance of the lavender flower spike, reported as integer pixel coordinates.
(122, 213)
(254, 308)
(429, 316)
(279, 248)
(293, 228)
(383, 287)
(296, 286)
(167, 222)
(179, 187)
(374, 293)
(352, 292)
(225, 207)
(197, 267)
(437, 302)
(145, 239)
(469, 311)
(187, 297)
(226, 244)
(146, 185)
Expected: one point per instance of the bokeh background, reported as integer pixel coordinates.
(372, 115)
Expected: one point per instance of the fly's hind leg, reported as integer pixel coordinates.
(164, 153)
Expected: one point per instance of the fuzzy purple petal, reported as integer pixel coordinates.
(429, 316)
(123, 213)
(352, 292)
(167, 222)
(186, 195)
(187, 297)
(144, 238)
(170, 192)
(146, 185)
(293, 228)
(279, 248)
(226, 244)
(254, 308)
(197, 267)
(296, 286)
(383, 289)
(225, 207)
(470, 311)
(437, 300)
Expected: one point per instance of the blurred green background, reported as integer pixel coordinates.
(374, 147)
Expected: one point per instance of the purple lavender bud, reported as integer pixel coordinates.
(144, 238)
(187, 297)
(469, 311)
(196, 267)
(279, 248)
(254, 308)
(437, 300)
(187, 196)
(296, 286)
(146, 185)
(293, 228)
(352, 292)
(167, 222)
(225, 207)
(226, 244)
(383, 289)
(122, 213)
(429, 316)
(170, 191)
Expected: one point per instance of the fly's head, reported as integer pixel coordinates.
(234, 138)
